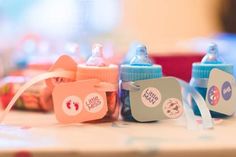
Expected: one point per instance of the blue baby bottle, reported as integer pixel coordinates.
(201, 72)
(139, 68)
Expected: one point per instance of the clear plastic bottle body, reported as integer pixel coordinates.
(113, 106)
(125, 102)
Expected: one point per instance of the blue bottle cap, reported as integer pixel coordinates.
(210, 61)
(140, 67)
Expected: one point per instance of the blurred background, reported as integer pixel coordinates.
(38, 31)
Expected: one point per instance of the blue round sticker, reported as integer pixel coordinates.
(226, 90)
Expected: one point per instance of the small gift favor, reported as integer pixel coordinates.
(147, 96)
(140, 68)
(214, 80)
(91, 94)
(97, 68)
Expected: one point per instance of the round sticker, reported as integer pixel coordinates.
(172, 108)
(93, 102)
(213, 95)
(151, 97)
(72, 105)
(226, 90)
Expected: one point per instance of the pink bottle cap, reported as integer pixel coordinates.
(97, 56)
(96, 67)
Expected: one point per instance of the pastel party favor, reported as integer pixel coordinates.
(108, 75)
(91, 94)
(220, 96)
(201, 73)
(140, 68)
(82, 93)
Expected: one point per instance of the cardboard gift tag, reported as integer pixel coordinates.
(220, 96)
(156, 99)
(79, 101)
(63, 63)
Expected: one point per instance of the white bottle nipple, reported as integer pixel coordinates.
(212, 56)
(97, 56)
(141, 56)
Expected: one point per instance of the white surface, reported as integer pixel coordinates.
(41, 135)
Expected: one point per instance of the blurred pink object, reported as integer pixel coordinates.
(36, 98)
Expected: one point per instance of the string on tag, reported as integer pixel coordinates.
(200, 82)
(41, 77)
(107, 87)
(205, 113)
(130, 86)
(189, 115)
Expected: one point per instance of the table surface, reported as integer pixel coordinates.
(39, 134)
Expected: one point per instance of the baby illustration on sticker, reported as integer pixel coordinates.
(173, 108)
(213, 95)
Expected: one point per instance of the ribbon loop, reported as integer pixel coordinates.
(41, 77)
(206, 116)
(200, 82)
(105, 86)
(130, 86)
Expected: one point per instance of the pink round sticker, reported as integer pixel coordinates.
(93, 102)
(72, 105)
(172, 108)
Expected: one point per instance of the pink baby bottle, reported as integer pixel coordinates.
(97, 68)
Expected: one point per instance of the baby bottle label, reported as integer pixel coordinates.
(220, 95)
(172, 108)
(79, 101)
(93, 102)
(156, 99)
(151, 97)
